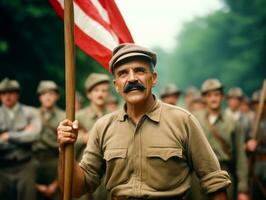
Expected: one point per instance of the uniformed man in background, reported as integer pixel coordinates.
(46, 148)
(170, 94)
(97, 90)
(225, 137)
(234, 99)
(20, 126)
(257, 148)
(148, 149)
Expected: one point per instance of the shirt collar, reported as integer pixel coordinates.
(153, 114)
(219, 117)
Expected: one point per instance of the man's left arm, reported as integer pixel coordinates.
(213, 180)
(241, 165)
(31, 132)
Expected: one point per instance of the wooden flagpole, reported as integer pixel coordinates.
(70, 93)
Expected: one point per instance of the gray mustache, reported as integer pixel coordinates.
(134, 86)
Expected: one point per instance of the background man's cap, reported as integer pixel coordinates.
(211, 85)
(7, 85)
(47, 85)
(235, 92)
(169, 90)
(95, 79)
(129, 50)
(197, 97)
(256, 96)
(191, 90)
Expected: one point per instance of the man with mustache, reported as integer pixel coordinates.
(148, 149)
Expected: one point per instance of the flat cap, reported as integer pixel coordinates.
(211, 85)
(256, 96)
(95, 79)
(235, 92)
(170, 89)
(191, 90)
(47, 85)
(9, 85)
(129, 50)
(197, 97)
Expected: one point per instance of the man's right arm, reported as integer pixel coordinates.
(67, 134)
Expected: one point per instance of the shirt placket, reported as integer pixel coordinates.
(137, 158)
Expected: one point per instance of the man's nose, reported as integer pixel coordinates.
(131, 76)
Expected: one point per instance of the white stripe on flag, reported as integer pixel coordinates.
(101, 10)
(92, 28)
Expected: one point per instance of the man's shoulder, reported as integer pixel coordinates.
(109, 118)
(84, 112)
(169, 110)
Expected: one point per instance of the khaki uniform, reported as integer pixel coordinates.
(233, 159)
(46, 148)
(87, 118)
(16, 168)
(154, 158)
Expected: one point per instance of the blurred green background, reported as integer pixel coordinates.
(228, 44)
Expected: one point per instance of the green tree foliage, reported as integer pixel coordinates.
(228, 44)
(32, 47)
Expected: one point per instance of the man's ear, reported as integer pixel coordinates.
(154, 79)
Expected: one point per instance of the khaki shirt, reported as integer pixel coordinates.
(154, 158)
(48, 136)
(230, 132)
(23, 127)
(87, 118)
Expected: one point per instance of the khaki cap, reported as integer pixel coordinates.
(7, 85)
(129, 50)
(211, 85)
(95, 79)
(256, 96)
(235, 92)
(197, 97)
(191, 90)
(169, 90)
(47, 85)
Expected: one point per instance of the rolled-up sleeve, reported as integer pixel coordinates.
(203, 160)
(92, 161)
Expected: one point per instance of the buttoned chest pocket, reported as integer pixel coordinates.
(116, 167)
(166, 167)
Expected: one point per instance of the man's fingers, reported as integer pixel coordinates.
(64, 128)
(75, 124)
(66, 134)
(65, 122)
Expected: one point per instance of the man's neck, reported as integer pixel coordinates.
(214, 111)
(48, 109)
(136, 111)
(98, 109)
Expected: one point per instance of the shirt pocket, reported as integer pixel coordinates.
(166, 167)
(116, 167)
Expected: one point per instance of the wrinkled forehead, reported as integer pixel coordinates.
(132, 63)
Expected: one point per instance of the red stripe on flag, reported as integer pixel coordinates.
(93, 48)
(92, 11)
(116, 20)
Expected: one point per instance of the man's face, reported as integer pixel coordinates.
(9, 98)
(48, 99)
(234, 103)
(98, 94)
(213, 99)
(134, 81)
(171, 99)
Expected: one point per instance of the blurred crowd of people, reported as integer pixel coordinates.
(28, 140)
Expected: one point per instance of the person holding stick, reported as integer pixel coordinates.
(148, 149)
